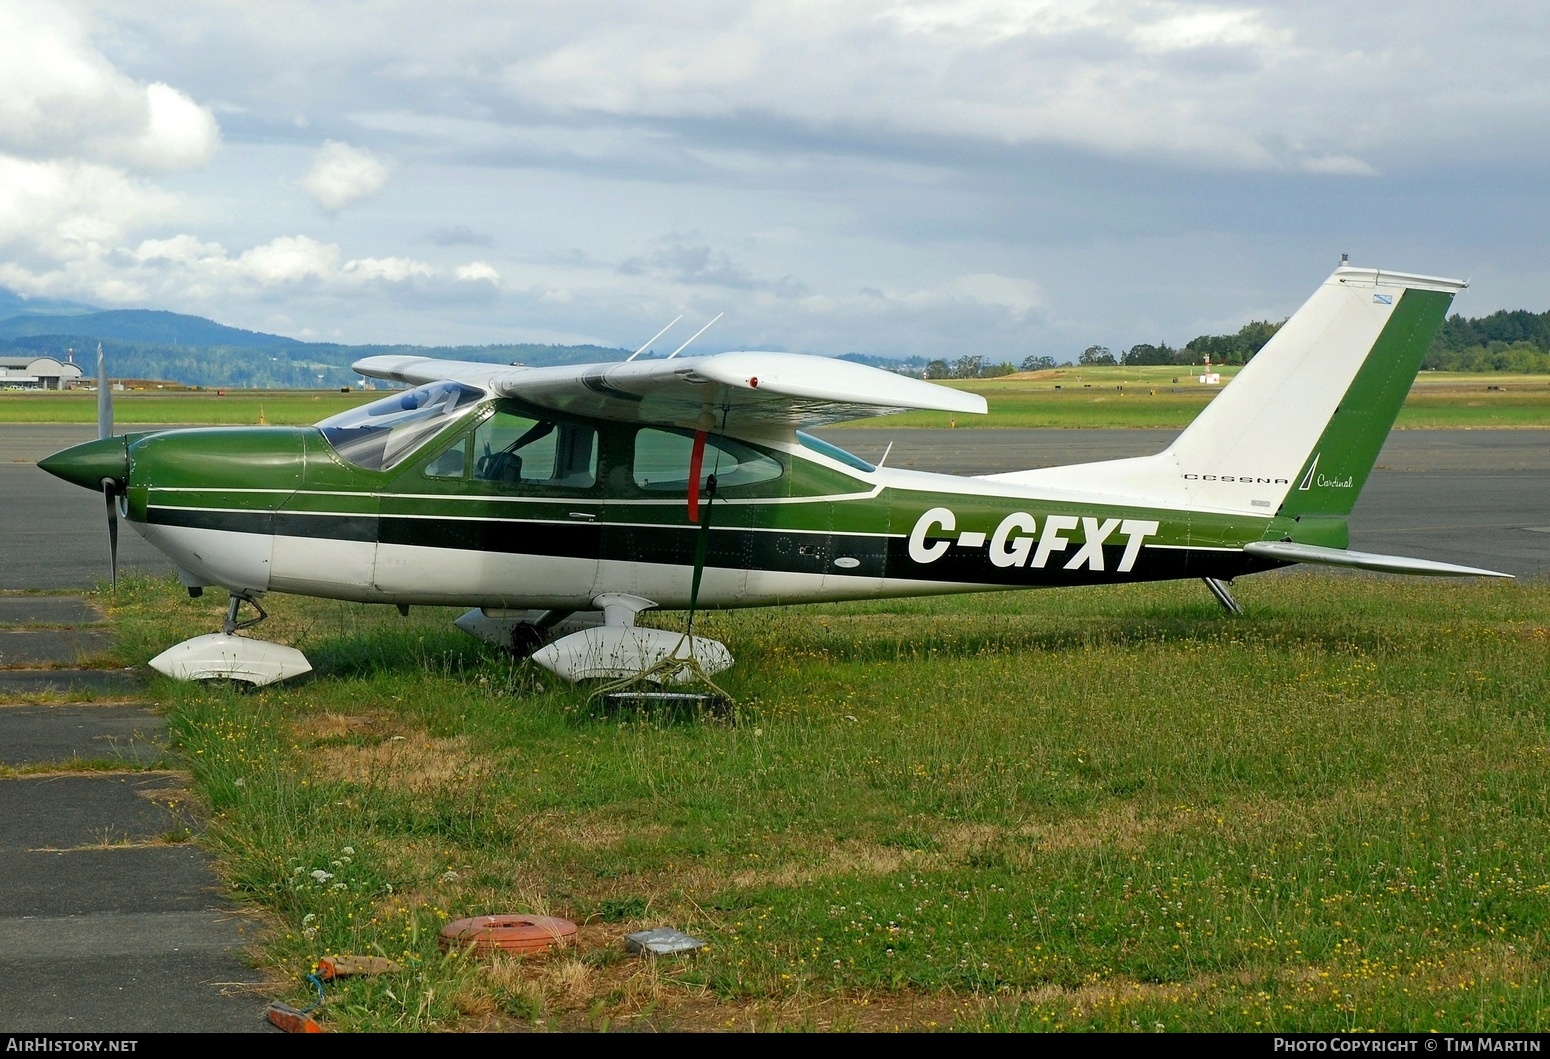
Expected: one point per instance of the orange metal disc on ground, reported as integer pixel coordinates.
(514, 933)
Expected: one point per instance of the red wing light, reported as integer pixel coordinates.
(753, 382)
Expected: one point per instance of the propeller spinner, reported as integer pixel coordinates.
(102, 464)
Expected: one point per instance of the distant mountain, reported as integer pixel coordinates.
(194, 351)
(141, 325)
(12, 304)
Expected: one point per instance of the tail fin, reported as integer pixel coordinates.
(1298, 430)
(1312, 409)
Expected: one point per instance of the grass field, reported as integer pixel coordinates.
(1063, 397)
(1110, 809)
(193, 407)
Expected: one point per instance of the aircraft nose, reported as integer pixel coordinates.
(87, 465)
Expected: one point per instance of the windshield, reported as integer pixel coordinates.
(379, 435)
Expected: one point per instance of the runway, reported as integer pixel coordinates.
(1476, 497)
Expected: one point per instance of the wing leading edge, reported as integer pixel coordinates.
(739, 390)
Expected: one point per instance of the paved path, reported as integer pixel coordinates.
(111, 919)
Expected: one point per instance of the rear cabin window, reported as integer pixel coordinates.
(661, 462)
(834, 452)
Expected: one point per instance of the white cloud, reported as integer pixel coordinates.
(1197, 82)
(343, 175)
(290, 259)
(477, 271)
(957, 158)
(1336, 165)
(57, 209)
(179, 132)
(179, 250)
(386, 269)
(988, 288)
(1121, 76)
(199, 275)
(61, 98)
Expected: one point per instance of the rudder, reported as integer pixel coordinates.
(1346, 451)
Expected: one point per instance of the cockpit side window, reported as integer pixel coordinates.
(517, 450)
(380, 435)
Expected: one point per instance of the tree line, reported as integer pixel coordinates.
(1507, 341)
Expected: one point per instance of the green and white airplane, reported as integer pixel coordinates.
(561, 502)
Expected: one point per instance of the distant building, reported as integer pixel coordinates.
(37, 373)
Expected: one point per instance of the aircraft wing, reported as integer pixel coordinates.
(735, 389)
(1288, 552)
(417, 371)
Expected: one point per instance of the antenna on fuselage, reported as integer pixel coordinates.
(696, 334)
(885, 454)
(654, 337)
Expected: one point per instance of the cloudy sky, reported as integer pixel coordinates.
(938, 178)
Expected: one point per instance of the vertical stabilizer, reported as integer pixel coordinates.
(1299, 429)
(1312, 409)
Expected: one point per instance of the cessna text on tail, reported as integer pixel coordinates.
(559, 503)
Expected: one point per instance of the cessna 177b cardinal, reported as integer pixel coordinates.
(560, 502)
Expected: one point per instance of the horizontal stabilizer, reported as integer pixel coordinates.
(1288, 552)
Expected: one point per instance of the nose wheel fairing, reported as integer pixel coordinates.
(225, 656)
(220, 656)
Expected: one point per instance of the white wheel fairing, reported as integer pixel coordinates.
(618, 651)
(217, 656)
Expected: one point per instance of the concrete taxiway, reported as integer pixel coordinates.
(112, 920)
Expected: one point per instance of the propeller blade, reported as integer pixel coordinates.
(110, 493)
(104, 398)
